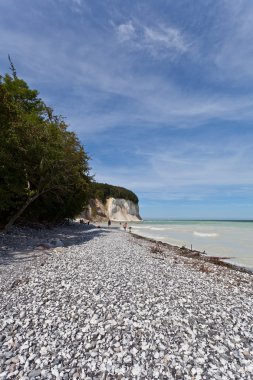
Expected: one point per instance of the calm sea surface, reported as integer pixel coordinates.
(233, 239)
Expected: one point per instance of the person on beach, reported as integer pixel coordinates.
(125, 226)
(109, 223)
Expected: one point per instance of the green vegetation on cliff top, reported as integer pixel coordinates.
(104, 191)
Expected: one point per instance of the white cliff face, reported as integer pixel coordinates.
(122, 210)
(114, 209)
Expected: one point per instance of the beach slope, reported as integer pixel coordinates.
(107, 305)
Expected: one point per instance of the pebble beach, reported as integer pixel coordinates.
(80, 302)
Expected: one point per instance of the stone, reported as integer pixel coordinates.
(34, 373)
(56, 243)
(151, 319)
(136, 370)
(43, 351)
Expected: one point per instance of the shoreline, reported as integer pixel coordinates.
(198, 255)
(230, 240)
(38, 236)
(187, 252)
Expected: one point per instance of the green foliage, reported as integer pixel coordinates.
(103, 191)
(44, 172)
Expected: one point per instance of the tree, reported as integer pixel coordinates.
(40, 161)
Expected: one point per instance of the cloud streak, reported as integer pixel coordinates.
(159, 41)
(193, 171)
(148, 99)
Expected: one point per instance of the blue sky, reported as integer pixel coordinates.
(159, 92)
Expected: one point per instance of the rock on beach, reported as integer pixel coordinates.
(105, 306)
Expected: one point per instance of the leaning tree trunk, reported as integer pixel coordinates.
(20, 212)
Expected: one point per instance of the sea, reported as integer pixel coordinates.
(230, 239)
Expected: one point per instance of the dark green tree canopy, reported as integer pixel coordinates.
(41, 162)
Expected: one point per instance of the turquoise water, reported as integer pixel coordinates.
(232, 239)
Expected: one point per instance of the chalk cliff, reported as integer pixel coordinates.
(115, 209)
(122, 209)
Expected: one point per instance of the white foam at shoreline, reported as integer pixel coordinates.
(153, 228)
(205, 234)
(141, 227)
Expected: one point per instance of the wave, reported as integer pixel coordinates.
(152, 228)
(160, 229)
(137, 227)
(205, 234)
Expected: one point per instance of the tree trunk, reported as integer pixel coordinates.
(20, 212)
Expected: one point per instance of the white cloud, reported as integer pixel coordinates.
(166, 37)
(149, 100)
(126, 31)
(159, 39)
